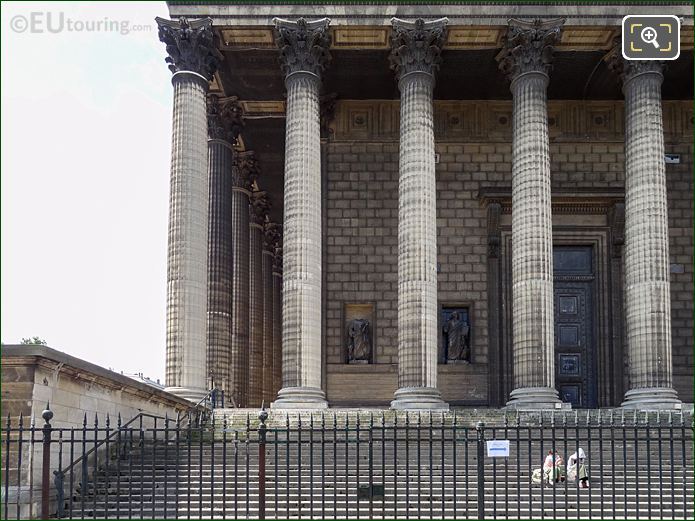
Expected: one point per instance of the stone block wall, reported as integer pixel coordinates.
(33, 376)
(361, 245)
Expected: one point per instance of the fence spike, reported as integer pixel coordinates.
(21, 420)
(96, 420)
(118, 420)
(108, 421)
(32, 422)
(84, 421)
(8, 420)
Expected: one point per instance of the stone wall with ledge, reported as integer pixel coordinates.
(34, 375)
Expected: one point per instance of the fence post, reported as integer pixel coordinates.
(481, 469)
(262, 429)
(46, 468)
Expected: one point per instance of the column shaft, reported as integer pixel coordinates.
(219, 314)
(267, 276)
(255, 315)
(526, 59)
(193, 58)
(239, 352)
(417, 215)
(417, 237)
(277, 332)
(301, 291)
(188, 229)
(646, 252)
(532, 244)
(303, 50)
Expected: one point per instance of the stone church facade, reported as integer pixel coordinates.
(348, 180)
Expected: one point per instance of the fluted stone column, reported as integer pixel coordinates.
(303, 54)
(526, 60)
(193, 58)
(647, 290)
(270, 237)
(244, 174)
(277, 319)
(415, 56)
(224, 124)
(260, 204)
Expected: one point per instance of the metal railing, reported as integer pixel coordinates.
(355, 464)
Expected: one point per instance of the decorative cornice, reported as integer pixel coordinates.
(191, 45)
(303, 45)
(224, 118)
(245, 170)
(417, 46)
(528, 47)
(260, 206)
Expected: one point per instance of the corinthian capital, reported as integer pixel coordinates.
(272, 235)
(224, 118)
(303, 45)
(191, 45)
(629, 69)
(417, 46)
(245, 170)
(260, 206)
(529, 47)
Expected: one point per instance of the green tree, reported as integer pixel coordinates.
(34, 341)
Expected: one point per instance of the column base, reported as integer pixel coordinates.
(300, 398)
(418, 398)
(193, 394)
(652, 399)
(534, 398)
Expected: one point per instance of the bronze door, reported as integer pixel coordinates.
(575, 357)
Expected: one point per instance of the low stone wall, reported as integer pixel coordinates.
(33, 376)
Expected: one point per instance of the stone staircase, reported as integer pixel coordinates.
(317, 473)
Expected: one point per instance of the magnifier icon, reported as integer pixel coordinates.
(648, 35)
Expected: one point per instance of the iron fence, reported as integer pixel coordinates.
(349, 464)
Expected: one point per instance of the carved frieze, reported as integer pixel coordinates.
(191, 45)
(487, 121)
(303, 45)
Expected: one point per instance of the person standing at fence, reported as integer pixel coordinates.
(576, 468)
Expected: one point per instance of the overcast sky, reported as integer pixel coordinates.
(86, 131)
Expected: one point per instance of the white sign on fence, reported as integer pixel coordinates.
(498, 448)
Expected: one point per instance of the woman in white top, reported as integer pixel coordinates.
(576, 468)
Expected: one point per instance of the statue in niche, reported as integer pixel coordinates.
(457, 339)
(359, 341)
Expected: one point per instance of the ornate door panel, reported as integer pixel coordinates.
(575, 372)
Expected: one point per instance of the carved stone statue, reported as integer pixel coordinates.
(457, 339)
(359, 341)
